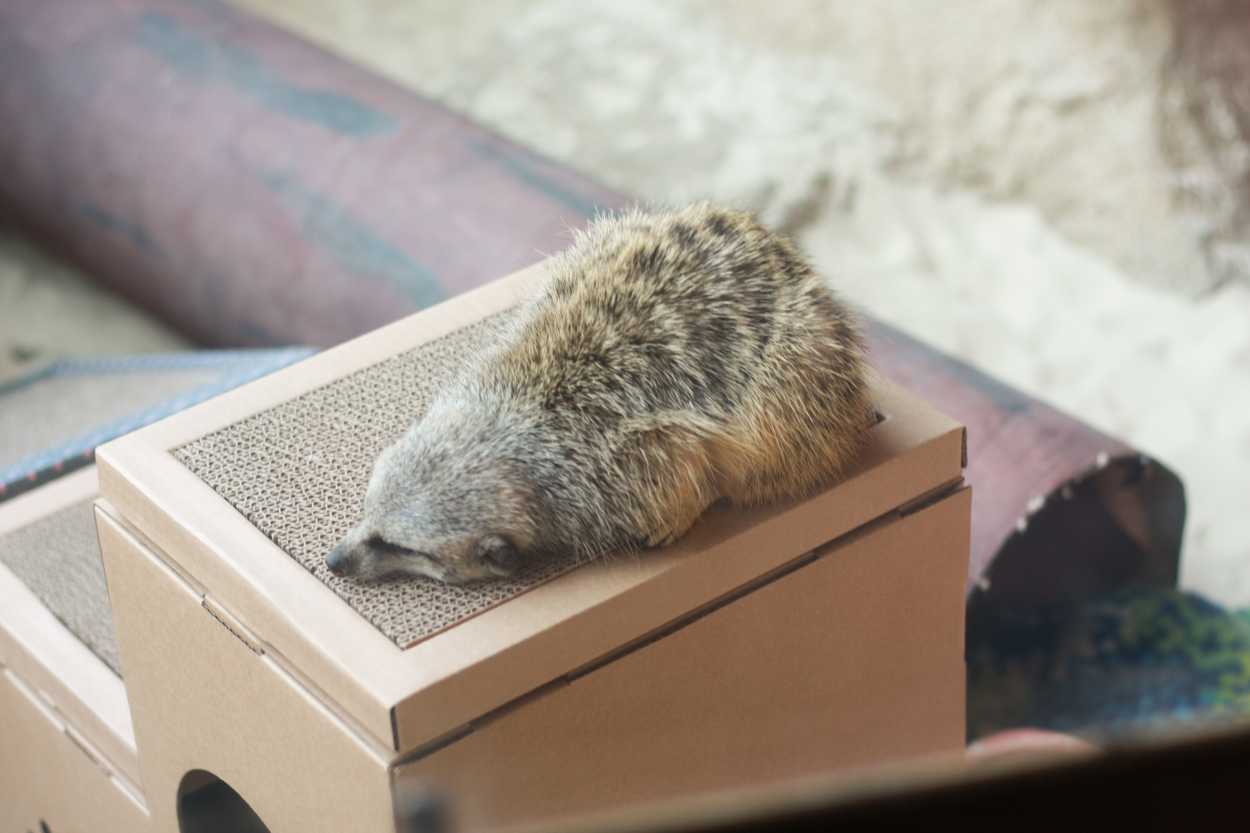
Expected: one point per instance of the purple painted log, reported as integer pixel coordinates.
(1060, 510)
(251, 189)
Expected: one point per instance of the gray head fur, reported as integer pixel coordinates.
(450, 499)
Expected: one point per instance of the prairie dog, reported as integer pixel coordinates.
(670, 359)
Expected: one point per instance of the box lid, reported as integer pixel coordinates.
(244, 494)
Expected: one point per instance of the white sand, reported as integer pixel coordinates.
(48, 309)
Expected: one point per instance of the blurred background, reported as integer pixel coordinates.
(1053, 190)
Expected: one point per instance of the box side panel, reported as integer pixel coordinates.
(47, 776)
(82, 689)
(204, 699)
(853, 659)
(593, 610)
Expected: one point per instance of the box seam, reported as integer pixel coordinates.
(98, 758)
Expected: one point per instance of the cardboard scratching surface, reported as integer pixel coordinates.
(298, 472)
(58, 558)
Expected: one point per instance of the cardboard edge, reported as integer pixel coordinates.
(29, 507)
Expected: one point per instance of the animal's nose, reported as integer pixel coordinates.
(338, 560)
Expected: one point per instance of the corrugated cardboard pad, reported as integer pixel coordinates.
(298, 472)
(58, 558)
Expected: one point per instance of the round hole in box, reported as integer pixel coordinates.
(207, 804)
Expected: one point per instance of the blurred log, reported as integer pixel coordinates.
(1060, 511)
(248, 188)
(252, 189)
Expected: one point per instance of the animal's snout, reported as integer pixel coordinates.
(339, 561)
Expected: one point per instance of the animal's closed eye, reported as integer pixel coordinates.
(384, 547)
(377, 542)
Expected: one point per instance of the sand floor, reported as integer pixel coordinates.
(48, 308)
(1014, 181)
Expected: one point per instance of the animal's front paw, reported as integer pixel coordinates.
(673, 530)
(659, 538)
(669, 533)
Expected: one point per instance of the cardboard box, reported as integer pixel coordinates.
(68, 759)
(809, 637)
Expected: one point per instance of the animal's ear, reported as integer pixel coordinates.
(499, 554)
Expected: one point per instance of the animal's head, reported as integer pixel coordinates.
(449, 500)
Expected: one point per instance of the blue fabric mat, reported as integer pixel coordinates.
(224, 369)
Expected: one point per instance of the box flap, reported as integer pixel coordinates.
(411, 684)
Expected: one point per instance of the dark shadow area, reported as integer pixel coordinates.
(206, 804)
(1115, 525)
(1069, 628)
